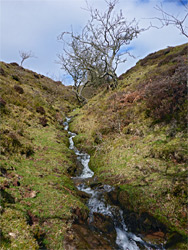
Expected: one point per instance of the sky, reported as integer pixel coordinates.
(34, 25)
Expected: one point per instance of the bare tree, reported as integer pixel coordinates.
(72, 67)
(101, 46)
(167, 19)
(25, 55)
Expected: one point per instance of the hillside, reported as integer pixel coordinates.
(137, 138)
(37, 194)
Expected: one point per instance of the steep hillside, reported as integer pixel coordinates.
(138, 140)
(37, 194)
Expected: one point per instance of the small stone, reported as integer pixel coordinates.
(168, 197)
(33, 194)
(13, 235)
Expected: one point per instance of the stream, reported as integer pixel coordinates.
(125, 240)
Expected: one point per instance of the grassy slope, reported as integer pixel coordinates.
(37, 195)
(137, 136)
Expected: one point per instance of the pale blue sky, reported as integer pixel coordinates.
(35, 24)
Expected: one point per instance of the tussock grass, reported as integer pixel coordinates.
(137, 149)
(37, 194)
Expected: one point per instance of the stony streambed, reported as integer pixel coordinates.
(116, 233)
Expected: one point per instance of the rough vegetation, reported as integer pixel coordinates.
(136, 135)
(138, 140)
(37, 195)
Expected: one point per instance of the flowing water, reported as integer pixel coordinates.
(124, 240)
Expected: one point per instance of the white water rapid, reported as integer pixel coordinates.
(125, 240)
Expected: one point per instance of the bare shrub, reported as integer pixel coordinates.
(2, 103)
(165, 96)
(18, 89)
(43, 121)
(173, 57)
(16, 78)
(2, 72)
(14, 64)
(40, 110)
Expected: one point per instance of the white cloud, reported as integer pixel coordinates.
(153, 39)
(34, 25)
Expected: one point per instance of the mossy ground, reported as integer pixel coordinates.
(45, 193)
(138, 146)
(135, 144)
(37, 194)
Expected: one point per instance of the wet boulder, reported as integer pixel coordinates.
(83, 195)
(83, 238)
(80, 215)
(103, 223)
(79, 168)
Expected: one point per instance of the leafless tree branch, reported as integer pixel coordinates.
(167, 19)
(25, 55)
(97, 51)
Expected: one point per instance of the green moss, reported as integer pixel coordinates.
(16, 231)
(143, 156)
(38, 195)
(45, 190)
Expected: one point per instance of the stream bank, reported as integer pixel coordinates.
(138, 143)
(103, 227)
(137, 162)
